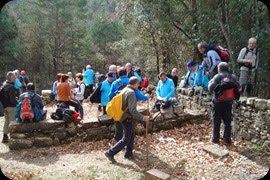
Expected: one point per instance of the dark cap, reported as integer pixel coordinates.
(110, 74)
(191, 63)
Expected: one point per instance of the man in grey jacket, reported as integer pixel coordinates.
(128, 121)
(248, 59)
(211, 59)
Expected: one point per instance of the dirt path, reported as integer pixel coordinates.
(177, 152)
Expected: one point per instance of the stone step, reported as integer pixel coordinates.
(155, 174)
(216, 151)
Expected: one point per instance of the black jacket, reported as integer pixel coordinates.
(9, 92)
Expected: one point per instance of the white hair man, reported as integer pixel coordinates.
(248, 60)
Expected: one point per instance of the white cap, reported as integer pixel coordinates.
(88, 67)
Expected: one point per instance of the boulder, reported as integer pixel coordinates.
(16, 144)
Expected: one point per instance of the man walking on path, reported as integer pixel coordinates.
(248, 60)
(225, 89)
(8, 98)
(128, 121)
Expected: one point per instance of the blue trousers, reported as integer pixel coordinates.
(222, 110)
(127, 139)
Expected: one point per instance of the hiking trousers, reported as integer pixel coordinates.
(222, 110)
(127, 139)
(9, 117)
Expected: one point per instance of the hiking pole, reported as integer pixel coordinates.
(146, 134)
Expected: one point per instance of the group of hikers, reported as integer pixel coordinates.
(212, 75)
(18, 100)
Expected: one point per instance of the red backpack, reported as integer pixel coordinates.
(145, 83)
(27, 112)
(223, 53)
(228, 90)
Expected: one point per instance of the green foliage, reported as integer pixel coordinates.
(60, 35)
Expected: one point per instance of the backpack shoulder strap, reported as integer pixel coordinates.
(246, 52)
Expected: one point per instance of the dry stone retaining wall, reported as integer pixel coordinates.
(251, 116)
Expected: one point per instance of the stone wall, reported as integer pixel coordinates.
(250, 115)
(54, 132)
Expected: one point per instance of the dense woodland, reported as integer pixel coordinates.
(46, 37)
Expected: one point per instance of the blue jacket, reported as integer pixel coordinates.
(17, 83)
(165, 89)
(105, 91)
(124, 81)
(137, 76)
(200, 79)
(189, 77)
(54, 89)
(89, 76)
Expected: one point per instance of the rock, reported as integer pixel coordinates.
(46, 92)
(216, 151)
(105, 120)
(178, 110)
(167, 112)
(261, 104)
(44, 125)
(18, 135)
(155, 174)
(250, 101)
(15, 144)
(56, 142)
(60, 135)
(243, 100)
(72, 131)
(92, 122)
(43, 141)
(97, 131)
(266, 145)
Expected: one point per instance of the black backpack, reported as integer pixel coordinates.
(95, 96)
(2, 101)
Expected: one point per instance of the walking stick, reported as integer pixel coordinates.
(146, 134)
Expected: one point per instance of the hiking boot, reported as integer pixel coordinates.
(111, 158)
(227, 143)
(215, 141)
(132, 157)
(5, 138)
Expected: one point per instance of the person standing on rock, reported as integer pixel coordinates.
(211, 59)
(248, 60)
(128, 121)
(8, 98)
(225, 89)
